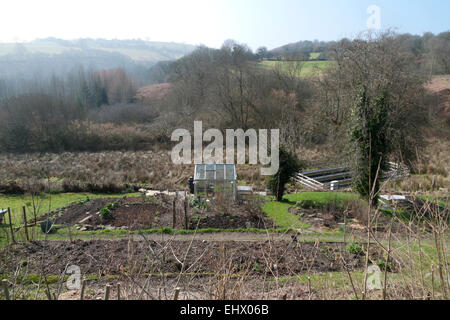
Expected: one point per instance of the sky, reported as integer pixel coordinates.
(269, 23)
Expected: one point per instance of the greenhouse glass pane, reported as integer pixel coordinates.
(199, 172)
(210, 170)
(220, 172)
(230, 171)
(210, 174)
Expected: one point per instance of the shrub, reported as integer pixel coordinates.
(112, 205)
(47, 227)
(197, 203)
(167, 230)
(105, 213)
(354, 248)
(382, 264)
(370, 143)
(307, 204)
(127, 190)
(256, 267)
(81, 202)
(289, 165)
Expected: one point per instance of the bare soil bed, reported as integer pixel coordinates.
(132, 213)
(137, 214)
(130, 257)
(205, 288)
(319, 218)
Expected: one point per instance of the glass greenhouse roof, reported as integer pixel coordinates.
(219, 172)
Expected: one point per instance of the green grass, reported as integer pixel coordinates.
(308, 68)
(433, 200)
(16, 202)
(322, 197)
(279, 211)
(314, 55)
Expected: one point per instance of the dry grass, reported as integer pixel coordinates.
(111, 171)
(104, 171)
(435, 159)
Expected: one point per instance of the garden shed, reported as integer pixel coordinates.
(215, 181)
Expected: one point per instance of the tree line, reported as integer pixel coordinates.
(91, 110)
(65, 113)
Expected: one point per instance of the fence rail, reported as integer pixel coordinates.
(309, 182)
(321, 179)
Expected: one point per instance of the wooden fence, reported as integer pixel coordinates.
(321, 179)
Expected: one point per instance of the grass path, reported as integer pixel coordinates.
(279, 211)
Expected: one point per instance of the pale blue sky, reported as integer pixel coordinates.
(268, 23)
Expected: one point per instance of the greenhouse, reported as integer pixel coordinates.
(216, 181)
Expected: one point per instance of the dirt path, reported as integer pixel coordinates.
(240, 236)
(219, 236)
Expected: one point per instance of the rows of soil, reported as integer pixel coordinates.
(136, 214)
(319, 218)
(131, 213)
(128, 257)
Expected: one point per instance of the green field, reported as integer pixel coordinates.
(314, 55)
(139, 51)
(301, 69)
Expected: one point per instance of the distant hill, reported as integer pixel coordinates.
(137, 50)
(309, 49)
(55, 56)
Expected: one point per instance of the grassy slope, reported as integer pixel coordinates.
(41, 47)
(308, 68)
(155, 51)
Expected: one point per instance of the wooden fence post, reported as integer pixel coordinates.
(108, 288)
(10, 225)
(118, 291)
(83, 286)
(174, 213)
(176, 294)
(186, 220)
(70, 232)
(25, 222)
(6, 289)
